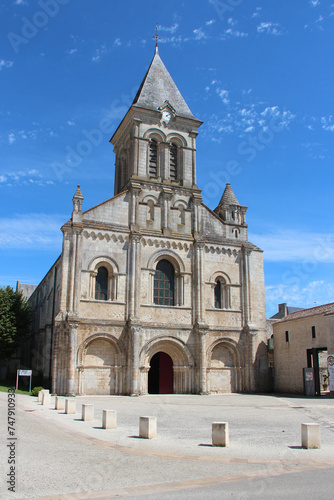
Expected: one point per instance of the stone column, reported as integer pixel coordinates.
(202, 360)
(64, 270)
(193, 136)
(71, 361)
(167, 194)
(135, 389)
(134, 153)
(198, 285)
(77, 269)
(133, 275)
(248, 326)
(133, 214)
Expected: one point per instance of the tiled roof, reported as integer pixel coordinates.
(324, 310)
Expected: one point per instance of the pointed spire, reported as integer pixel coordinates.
(77, 204)
(158, 87)
(229, 197)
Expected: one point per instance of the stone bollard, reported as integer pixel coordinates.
(59, 403)
(311, 436)
(46, 398)
(87, 412)
(109, 419)
(69, 405)
(147, 427)
(40, 395)
(220, 435)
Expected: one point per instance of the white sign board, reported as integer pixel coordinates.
(25, 373)
(330, 364)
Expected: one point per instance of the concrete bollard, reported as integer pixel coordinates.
(311, 436)
(109, 419)
(59, 403)
(46, 398)
(69, 405)
(87, 412)
(147, 427)
(220, 435)
(40, 395)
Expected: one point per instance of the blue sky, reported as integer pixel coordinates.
(259, 74)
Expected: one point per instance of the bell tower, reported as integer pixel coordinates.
(155, 144)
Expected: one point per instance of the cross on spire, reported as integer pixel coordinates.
(156, 36)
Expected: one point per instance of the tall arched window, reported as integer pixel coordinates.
(218, 295)
(164, 284)
(221, 292)
(153, 159)
(101, 284)
(173, 162)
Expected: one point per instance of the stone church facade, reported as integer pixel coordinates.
(154, 292)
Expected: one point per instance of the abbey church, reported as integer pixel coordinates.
(154, 292)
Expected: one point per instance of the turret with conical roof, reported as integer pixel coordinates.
(233, 214)
(156, 140)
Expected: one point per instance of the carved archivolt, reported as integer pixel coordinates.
(219, 274)
(98, 235)
(116, 344)
(166, 244)
(229, 344)
(172, 346)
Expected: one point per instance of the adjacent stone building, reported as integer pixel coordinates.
(154, 292)
(303, 339)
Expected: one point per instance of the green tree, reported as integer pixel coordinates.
(15, 321)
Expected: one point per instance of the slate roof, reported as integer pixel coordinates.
(324, 310)
(158, 87)
(280, 314)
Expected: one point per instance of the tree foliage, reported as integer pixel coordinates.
(15, 321)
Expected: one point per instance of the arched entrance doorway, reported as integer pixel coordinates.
(160, 375)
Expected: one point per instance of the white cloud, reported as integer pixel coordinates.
(20, 2)
(5, 64)
(99, 53)
(11, 138)
(27, 177)
(212, 21)
(270, 28)
(170, 29)
(31, 231)
(199, 34)
(70, 123)
(117, 42)
(245, 118)
(312, 293)
(327, 123)
(257, 12)
(296, 246)
(314, 3)
(223, 94)
(71, 51)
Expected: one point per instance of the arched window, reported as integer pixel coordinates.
(153, 159)
(164, 284)
(221, 293)
(173, 162)
(101, 284)
(218, 295)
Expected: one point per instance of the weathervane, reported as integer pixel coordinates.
(156, 36)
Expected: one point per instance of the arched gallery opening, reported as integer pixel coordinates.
(160, 375)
